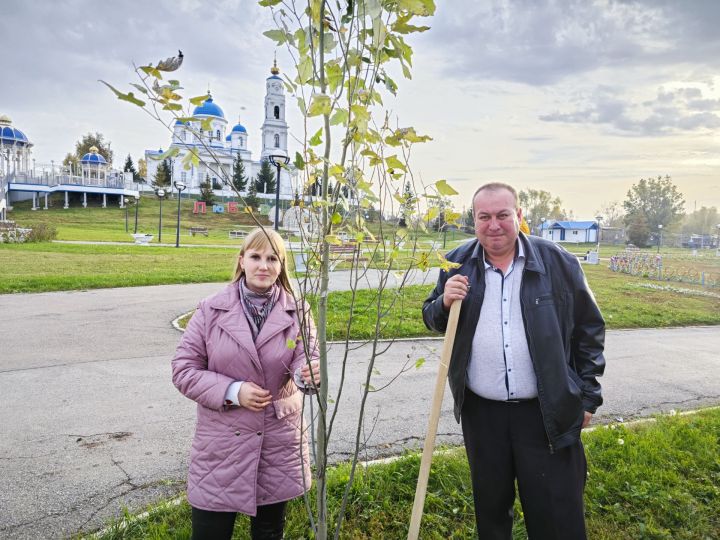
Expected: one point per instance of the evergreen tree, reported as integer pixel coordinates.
(206, 191)
(162, 175)
(130, 167)
(239, 180)
(251, 199)
(408, 204)
(265, 181)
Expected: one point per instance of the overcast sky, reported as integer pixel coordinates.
(580, 98)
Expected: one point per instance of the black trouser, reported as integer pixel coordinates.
(268, 524)
(507, 441)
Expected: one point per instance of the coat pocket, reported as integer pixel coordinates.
(288, 405)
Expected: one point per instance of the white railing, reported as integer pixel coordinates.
(57, 179)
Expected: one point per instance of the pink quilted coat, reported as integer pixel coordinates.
(241, 459)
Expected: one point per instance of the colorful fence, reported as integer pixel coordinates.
(698, 271)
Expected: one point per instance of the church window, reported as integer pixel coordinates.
(277, 112)
(183, 177)
(217, 134)
(277, 141)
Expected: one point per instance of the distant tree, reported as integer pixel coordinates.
(206, 191)
(142, 170)
(130, 167)
(239, 179)
(162, 175)
(655, 199)
(251, 199)
(702, 221)
(265, 181)
(406, 206)
(537, 204)
(638, 231)
(83, 146)
(612, 214)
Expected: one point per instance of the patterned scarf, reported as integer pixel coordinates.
(257, 306)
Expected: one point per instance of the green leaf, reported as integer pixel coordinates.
(129, 97)
(332, 239)
(269, 3)
(445, 264)
(340, 117)
(336, 218)
(278, 36)
(319, 105)
(206, 123)
(149, 70)
(140, 87)
(291, 344)
(423, 8)
(334, 73)
(361, 117)
(299, 161)
(198, 100)
(172, 107)
(419, 363)
(394, 163)
(444, 188)
(431, 213)
(305, 69)
(316, 139)
(170, 152)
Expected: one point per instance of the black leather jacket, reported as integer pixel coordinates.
(564, 328)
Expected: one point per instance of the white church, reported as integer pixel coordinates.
(218, 146)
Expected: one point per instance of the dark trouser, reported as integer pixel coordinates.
(505, 441)
(268, 524)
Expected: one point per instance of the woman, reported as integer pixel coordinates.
(243, 360)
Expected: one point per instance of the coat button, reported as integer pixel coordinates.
(237, 433)
(259, 433)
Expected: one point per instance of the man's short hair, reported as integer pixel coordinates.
(497, 186)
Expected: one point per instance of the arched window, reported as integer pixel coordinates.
(217, 134)
(277, 111)
(277, 141)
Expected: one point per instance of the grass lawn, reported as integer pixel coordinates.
(656, 480)
(54, 267)
(625, 301)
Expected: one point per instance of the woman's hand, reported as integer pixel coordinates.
(252, 397)
(305, 373)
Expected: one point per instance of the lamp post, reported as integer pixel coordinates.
(126, 215)
(278, 160)
(660, 228)
(137, 206)
(180, 186)
(161, 195)
(542, 227)
(599, 229)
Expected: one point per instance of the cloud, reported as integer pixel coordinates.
(671, 111)
(541, 42)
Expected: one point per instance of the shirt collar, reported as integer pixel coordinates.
(519, 253)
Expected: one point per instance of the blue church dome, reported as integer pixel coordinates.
(11, 136)
(209, 109)
(228, 138)
(93, 158)
(239, 128)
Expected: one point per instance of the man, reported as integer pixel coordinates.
(523, 370)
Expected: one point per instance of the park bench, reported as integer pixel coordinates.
(237, 234)
(142, 239)
(343, 253)
(198, 230)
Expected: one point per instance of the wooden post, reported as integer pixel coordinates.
(426, 460)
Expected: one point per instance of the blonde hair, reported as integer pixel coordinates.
(259, 240)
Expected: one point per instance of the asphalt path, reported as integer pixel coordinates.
(91, 424)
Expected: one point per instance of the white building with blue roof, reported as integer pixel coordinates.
(217, 145)
(573, 232)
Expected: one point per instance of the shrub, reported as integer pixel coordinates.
(41, 232)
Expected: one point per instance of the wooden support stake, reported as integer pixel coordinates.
(422, 482)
